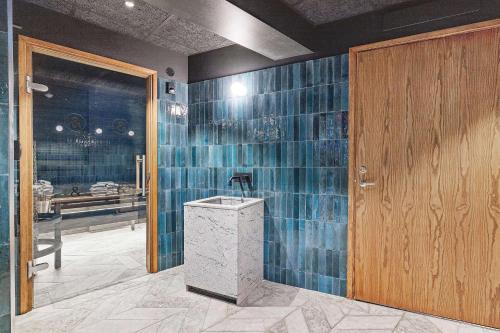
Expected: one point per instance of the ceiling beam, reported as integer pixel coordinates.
(281, 17)
(227, 20)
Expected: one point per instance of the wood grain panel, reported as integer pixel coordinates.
(426, 124)
(25, 180)
(28, 46)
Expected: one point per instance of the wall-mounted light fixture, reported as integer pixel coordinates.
(170, 88)
(238, 89)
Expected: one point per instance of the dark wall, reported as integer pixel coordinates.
(57, 28)
(336, 38)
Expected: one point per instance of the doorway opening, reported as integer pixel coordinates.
(87, 172)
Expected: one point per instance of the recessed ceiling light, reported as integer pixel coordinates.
(59, 128)
(98, 130)
(129, 4)
(131, 133)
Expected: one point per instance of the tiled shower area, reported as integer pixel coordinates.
(290, 132)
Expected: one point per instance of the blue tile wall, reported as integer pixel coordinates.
(290, 131)
(172, 173)
(5, 307)
(64, 162)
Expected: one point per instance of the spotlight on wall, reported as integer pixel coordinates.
(131, 133)
(238, 89)
(129, 4)
(98, 130)
(59, 128)
(171, 88)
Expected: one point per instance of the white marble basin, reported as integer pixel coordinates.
(224, 202)
(223, 245)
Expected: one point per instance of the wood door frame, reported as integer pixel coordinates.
(352, 174)
(28, 46)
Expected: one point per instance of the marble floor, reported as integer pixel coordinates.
(91, 261)
(159, 303)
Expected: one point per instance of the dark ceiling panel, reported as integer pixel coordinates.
(144, 22)
(325, 11)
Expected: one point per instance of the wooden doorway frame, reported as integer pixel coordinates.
(353, 61)
(28, 46)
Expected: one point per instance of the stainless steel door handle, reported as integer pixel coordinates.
(362, 175)
(366, 184)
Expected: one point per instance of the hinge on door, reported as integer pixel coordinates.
(33, 269)
(30, 86)
(17, 150)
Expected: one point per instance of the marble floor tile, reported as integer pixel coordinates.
(91, 261)
(369, 322)
(159, 303)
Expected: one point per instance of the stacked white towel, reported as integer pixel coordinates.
(42, 193)
(104, 188)
(43, 188)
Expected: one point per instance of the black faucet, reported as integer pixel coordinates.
(241, 178)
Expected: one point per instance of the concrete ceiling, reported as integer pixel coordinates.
(325, 11)
(144, 22)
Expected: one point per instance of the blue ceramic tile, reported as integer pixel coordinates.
(289, 132)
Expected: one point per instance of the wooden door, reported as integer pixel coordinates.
(28, 46)
(426, 127)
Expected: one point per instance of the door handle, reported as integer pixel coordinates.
(364, 184)
(35, 268)
(362, 178)
(32, 86)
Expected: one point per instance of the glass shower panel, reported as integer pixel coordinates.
(89, 135)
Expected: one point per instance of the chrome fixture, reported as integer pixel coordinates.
(32, 86)
(35, 268)
(140, 173)
(242, 178)
(362, 178)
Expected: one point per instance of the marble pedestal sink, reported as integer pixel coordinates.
(223, 246)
